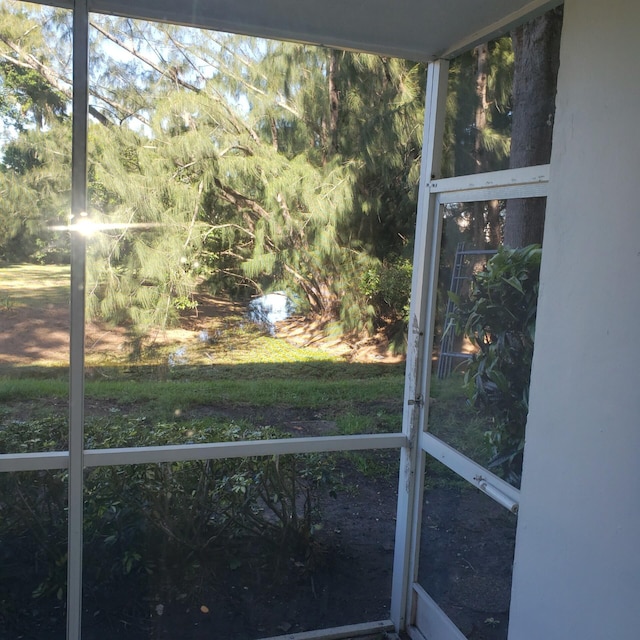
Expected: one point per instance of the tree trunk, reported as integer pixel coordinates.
(536, 47)
(481, 53)
(482, 67)
(493, 223)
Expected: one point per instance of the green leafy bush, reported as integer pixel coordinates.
(158, 523)
(499, 318)
(388, 287)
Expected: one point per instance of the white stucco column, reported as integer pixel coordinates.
(577, 564)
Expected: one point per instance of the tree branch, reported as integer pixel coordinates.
(168, 73)
(239, 200)
(180, 48)
(62, 84)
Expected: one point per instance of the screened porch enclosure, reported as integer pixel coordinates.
(574, 575)
(93, 470)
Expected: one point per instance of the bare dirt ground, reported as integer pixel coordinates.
(32, 335)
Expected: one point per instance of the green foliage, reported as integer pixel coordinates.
(468, 149)
(499, 319)
(32, 93)
(27, 96)
(237, 174)
(456, 422)
(388, 287)
(141, 519)
(35, 174)
(35, 181)
(478, 132)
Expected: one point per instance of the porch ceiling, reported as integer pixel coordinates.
(420, 30)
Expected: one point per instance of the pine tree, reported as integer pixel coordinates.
(479, 128)
(249, 164)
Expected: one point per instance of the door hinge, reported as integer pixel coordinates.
(417, 401)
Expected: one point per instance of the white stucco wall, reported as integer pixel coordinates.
(577, 566)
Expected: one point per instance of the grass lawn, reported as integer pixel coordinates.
(239, 374)
(30, 285)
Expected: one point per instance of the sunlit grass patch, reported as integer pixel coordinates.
(33, 285)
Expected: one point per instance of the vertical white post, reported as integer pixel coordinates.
(418, 368)
(577, 561)
(76, 368)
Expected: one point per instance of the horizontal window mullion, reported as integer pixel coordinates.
(209, 451)
(490, 484)
(245, 448)
(494, 193)
(41, 461)
(527, 182)
(431, 621)
(348, 631)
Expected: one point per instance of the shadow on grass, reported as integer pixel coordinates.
(309, 398)
(313, 370)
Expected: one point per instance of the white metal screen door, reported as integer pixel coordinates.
(412, 606)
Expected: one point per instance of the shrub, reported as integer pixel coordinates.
(158, 522)
(388, 287)
(499, 319)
